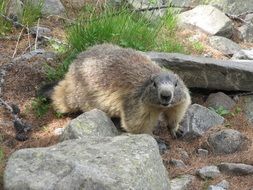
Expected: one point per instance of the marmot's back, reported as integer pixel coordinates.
(109, 66)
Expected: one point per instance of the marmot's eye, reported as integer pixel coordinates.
(176, 84)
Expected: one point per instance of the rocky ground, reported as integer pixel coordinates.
(201, 146)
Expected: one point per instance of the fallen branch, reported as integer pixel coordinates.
(163, 7)
(20, 127)
(15, 23)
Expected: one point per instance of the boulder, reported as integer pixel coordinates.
(223, 185)
(122, 162)
(200, 72)
(236, 168)
(219, 99)
(208, 19)
(226, 141)
(208, 172)
(233, 6)
(92, 123)
(224, 45)
(198, 120)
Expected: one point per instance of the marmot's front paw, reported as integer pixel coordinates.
(176, 133)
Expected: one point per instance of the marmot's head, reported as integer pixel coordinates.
(164, 90)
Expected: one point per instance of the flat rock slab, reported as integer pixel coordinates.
(208, 19)
(200, 72)
(236, 168)
(243, 54)
(122, 162)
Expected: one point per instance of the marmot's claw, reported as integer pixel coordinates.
(179, 133)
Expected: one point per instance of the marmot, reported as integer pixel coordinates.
(123, 83)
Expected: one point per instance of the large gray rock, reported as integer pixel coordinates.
(208, 19)
(198, 120)
(200, 72)
(181, 182)
(92, 123)
(122, 162)
(224, 45)
(246, 32)
(236, 168)
(208, 172)
(248, 107)
(243, 54)
(216, 100)
(233, 6)
(226, 141)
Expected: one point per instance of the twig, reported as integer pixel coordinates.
(37, 32)
(15, 51)
(8, 107)
(28, 36)
(235, 17)
(245, 13)
(53, 39)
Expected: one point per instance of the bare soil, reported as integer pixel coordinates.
(20, 88)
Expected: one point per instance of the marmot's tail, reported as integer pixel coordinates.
(47, 90)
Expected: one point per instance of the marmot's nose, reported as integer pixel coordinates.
(165, 96)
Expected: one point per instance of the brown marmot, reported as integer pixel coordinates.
(123, 83)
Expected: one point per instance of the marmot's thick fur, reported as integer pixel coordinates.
(123, 83)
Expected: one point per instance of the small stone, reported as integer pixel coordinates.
(212, 187)
(248, 107)
(208, 172)
(58, 131)
(91, 123)
(224, 184)
(177, 163)
(42, 31)
(202, 152)
(246, 32)
(226, 141)
(224, 45)
(198, 120)
(243, 54)
(162, 145)
(181, 182)
(236, 168)
(219, 99)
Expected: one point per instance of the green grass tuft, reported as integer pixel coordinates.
(5, 26)
(31, 12)
(40, 106)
